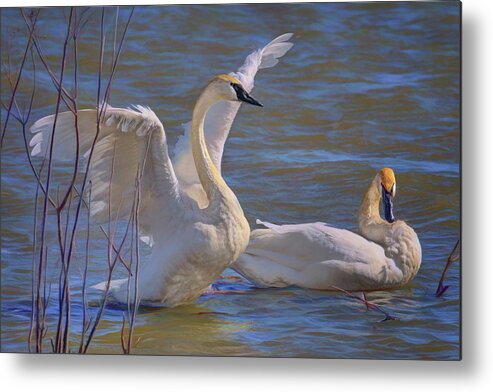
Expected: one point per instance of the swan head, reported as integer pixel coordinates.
(228, 88)
(388, 188)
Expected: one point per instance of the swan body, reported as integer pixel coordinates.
(386, 255)
(192, 244)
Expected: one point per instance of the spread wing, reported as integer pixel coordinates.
(221, 116)
(131, 144)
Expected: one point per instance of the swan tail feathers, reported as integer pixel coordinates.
(269, 225)
(263, 272)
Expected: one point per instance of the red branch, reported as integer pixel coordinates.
(369, 305)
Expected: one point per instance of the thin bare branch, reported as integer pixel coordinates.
(84, 278)
(19, 75)
(453, 256)
(63, 207)
(369, 305)
(65, 95)
(52, 140)
(33, 281)
(122, 336)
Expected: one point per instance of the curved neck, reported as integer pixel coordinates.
(399, 241)
(216, 132)
(371, 225)
(212, 182)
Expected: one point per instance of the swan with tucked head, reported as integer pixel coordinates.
(193, 244)
(386, 255)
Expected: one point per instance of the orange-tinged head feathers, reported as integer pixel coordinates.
(388, 178)
(227, 78)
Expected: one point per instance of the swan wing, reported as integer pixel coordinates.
(303, 244)
(313, 255)
(131, 144)
(221, 116)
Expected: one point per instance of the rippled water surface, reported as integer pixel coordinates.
(365, 86)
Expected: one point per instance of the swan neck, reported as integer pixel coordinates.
(210, 178)
(371, 225)
(215, 136)
(407, 253)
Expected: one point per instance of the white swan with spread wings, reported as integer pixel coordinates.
(186, 208)
(192, 245)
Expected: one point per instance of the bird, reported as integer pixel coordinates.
(193, 243)
(385, 255)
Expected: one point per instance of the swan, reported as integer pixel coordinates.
(192, 244)
(386, 255)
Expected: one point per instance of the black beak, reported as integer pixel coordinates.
(243, 96)
(388, 205)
